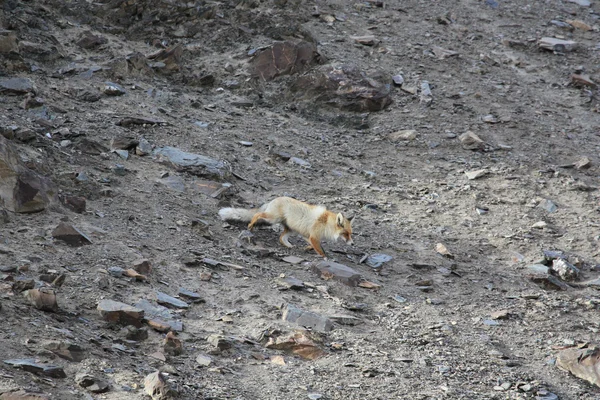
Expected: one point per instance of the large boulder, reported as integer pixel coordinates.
(21, 189)
(284, 58)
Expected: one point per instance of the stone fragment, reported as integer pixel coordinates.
(23, 395)
(280, 154)
(204, 360)
(169, 301)
(345, 87)
(471, 175)
(195, 164)
(21, 189)
(17, 86)
(583, 163)
(70, 235)
(398, 80)
(565, 270)
(368, 40)
(337, 272)
(144, 147)
(408, 134)
(8, 42)
(549, 282)
(136, 334)
(345, 320)
(195, 297)
(583, 81)
(582, 3)
(440, 248)
(470, 141)
(172, 345)
(91, 383)
(113, 89)
(89, 41)
(159, 318)
(377, 260)
(300, 343)
(501, 314)
(74, 203)
(293, 259)
(156, 386)
(130, 121)
(539, 225)
(219, 342)
(299, 161)
(442, 53)
(583, 363)
(307, 319)
(289, 282)
(67, 350)
(284, 58)
(22, 284)
(30, 365)
(548, 205)
(123, 143)
(170, 57)
(557, 45)
(538, 269)
(43, 299)
(119, 313)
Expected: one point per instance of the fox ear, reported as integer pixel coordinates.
(340, 220)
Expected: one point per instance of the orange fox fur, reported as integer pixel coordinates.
(313, 223)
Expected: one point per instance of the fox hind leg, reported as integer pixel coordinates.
(258, 216)
(283, 239)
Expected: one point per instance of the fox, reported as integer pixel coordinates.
(313, 222)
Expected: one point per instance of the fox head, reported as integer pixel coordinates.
(344, 227)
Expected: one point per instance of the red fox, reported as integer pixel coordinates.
(314, 223)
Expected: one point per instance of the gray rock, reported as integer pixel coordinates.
(548, 205)
(30, 365)
(307, 319)
(299, 161)
(565, 270)
(538, 269)
(17, 86)
(70, 235)
(377, 260)
(195, 297)
(289, 282)
(169, 301)
(67, 350)
(196, 164)
(337, 272)
(143, 148)
(119, 313)
(112, 89)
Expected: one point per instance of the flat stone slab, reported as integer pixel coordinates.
(307, 319)
(29, 365)
(16, 86)
(70, 235)
(170, 301)
(337, 272)
(120, 313)
(186, 160)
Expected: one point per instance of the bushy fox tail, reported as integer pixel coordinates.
(237, 214)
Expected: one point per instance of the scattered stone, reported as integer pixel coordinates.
(219, 342)
(470, 141)
(368, 40)
(426, 96)
(144, 147)
(398, 80)
(442, 53)
(75, 203)
(91, 383)
(284, 58)
(135, 334)
(67, 350)
(409, 134)
(169, 301)
(583, 163)
(557, 45)
(112, 89)
(172, 345)
(23, 395)
(158, 355)
(583, 81)
(289, 282)
(345, 87)
(583, 363)
(538, 269)
(299, 343)
(17, 86)
(21, 189)
(129, 121)
(70, 235)
(548, 205)
(193, 163)
(565, 270)
(156, 386)
(549, 282)
(299, 161)
(377, 260)
(292, 259)
(337, 272)
(89, 41)
(307, 319)
(195, 297)
(8, 42)
(43, 299)
(30, 365)
(32, 102)
(582, 3)
(368, 285)
(119, 313)
(441, 249)
(123, 143)
(159, 318)
(471, 175)
(116, 272)
(204, 360)
(282, 155)
(502, 314)
(345, 320)
(550, 255)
